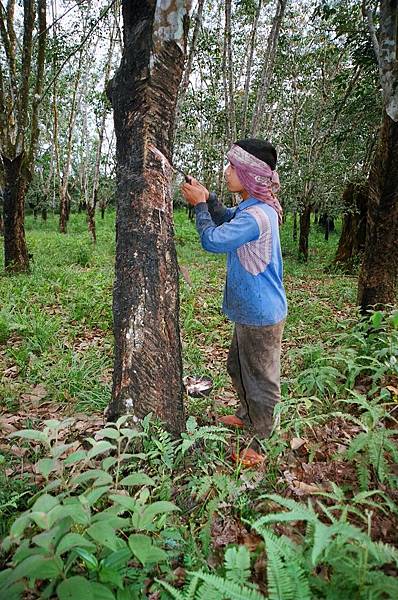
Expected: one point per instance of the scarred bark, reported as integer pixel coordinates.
(148, 365)
(15, 250)
(378, 277)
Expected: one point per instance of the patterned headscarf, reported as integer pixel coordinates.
(257, 177)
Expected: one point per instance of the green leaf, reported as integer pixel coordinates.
(100, 477)
(111, 576)
(108, 462)
(45, 466)
(89, 559)
(101, 592)
(45, 503)
(138, 479)
(99, 448)
(116, 560)
(141, 521)
(143, 548)
(75, 588)
(19, 525)
(71, 540)
(36, 567)
(109, 433)
(94, 495)
(75, 457)
(74, 511)
(105, 535)
(124, 501)
(377, 318)
(30, 434)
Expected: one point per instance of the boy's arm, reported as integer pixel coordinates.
(228, 236)
(218, 212)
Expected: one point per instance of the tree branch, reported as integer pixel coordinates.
(76, 50)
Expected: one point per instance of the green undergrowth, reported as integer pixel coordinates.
(133, 513)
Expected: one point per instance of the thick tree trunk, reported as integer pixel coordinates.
(16, 258)
(305, 223)
(353, 232)
(378, 277)
(148, 364)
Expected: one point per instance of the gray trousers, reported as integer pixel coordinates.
(254, 367)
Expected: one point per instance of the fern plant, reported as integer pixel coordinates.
(234, 585)
(333, 560)
(370, 446)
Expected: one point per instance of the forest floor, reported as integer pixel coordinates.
(339, 377)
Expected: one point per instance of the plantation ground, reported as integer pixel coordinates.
(340, 382)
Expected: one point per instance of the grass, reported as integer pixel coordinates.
(56, 342)
(49, 317)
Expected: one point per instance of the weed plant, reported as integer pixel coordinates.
(132, 513)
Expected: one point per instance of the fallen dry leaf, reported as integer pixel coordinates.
(296, 443)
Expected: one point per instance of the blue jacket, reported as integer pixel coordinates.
(249, 235)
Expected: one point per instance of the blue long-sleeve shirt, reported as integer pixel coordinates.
(249, 235)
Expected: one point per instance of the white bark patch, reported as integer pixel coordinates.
(166, 166)
(168, 23)
(392, 108)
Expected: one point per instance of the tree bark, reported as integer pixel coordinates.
(16, 256)
(148, 364)
(268, 67)
(19, 131)
(305, 223)
(379, 272)
(249, 67)
(295, 226)
(353, 232)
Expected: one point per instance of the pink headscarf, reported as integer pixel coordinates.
(257, 177)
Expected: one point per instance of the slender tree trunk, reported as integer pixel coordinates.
(15, 249)
(191, 54)
(305, 223)
(230, 71)
(64, 199)
(378, 277)
(353, 231)
(249, 68)
(20, 120)
(268, 67)
(148, 365)
(295, 226)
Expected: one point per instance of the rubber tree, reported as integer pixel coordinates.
(379, 272)
(148, 366)
(21, 84)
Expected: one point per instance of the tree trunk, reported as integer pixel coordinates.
(378, 276)
(305, 222)
(16, 256)
(295, 226)
(148, 364)
(353, 231)
(249, 67)
(268, 68)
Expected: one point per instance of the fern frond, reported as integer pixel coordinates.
(237, 564)
(176, 594)
(230, 589)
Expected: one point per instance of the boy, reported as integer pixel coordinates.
(254, 297)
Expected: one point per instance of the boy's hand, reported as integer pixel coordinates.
(194, 192)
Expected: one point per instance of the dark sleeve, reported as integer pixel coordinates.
(219, 213)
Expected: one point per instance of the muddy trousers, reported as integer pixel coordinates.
(254, 367)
